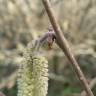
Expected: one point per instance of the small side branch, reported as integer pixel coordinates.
(65, 47)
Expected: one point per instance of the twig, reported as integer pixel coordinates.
(39, 42)
(65, 47)
(92, 84)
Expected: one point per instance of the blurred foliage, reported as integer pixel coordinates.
(24, 20)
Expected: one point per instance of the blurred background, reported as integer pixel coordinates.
(24, 20)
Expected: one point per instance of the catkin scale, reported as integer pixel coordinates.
(33, 74)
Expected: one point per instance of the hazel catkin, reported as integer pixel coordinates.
(33, 74)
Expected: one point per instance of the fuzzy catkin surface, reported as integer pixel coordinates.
(25, 73)
(40, 75)
(33, 75)
(25, 77)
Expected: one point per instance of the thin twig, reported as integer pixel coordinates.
(92, 84)
(39, 42)
(65, 47)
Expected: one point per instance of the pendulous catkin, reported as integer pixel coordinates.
(33, 74)
(40, 75)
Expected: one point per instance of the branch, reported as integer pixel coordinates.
(92, 84)
(65, 47)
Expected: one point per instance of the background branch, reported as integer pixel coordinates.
(92, 84)
(65, 47)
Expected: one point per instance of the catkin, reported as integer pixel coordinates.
(25, 77)
(40, 75)
(33, 74)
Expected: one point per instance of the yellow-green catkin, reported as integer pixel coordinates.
(33, 74)
(25, 77)
(40, 74)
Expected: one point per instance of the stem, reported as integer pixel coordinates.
(39, 42)
(65, 47)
